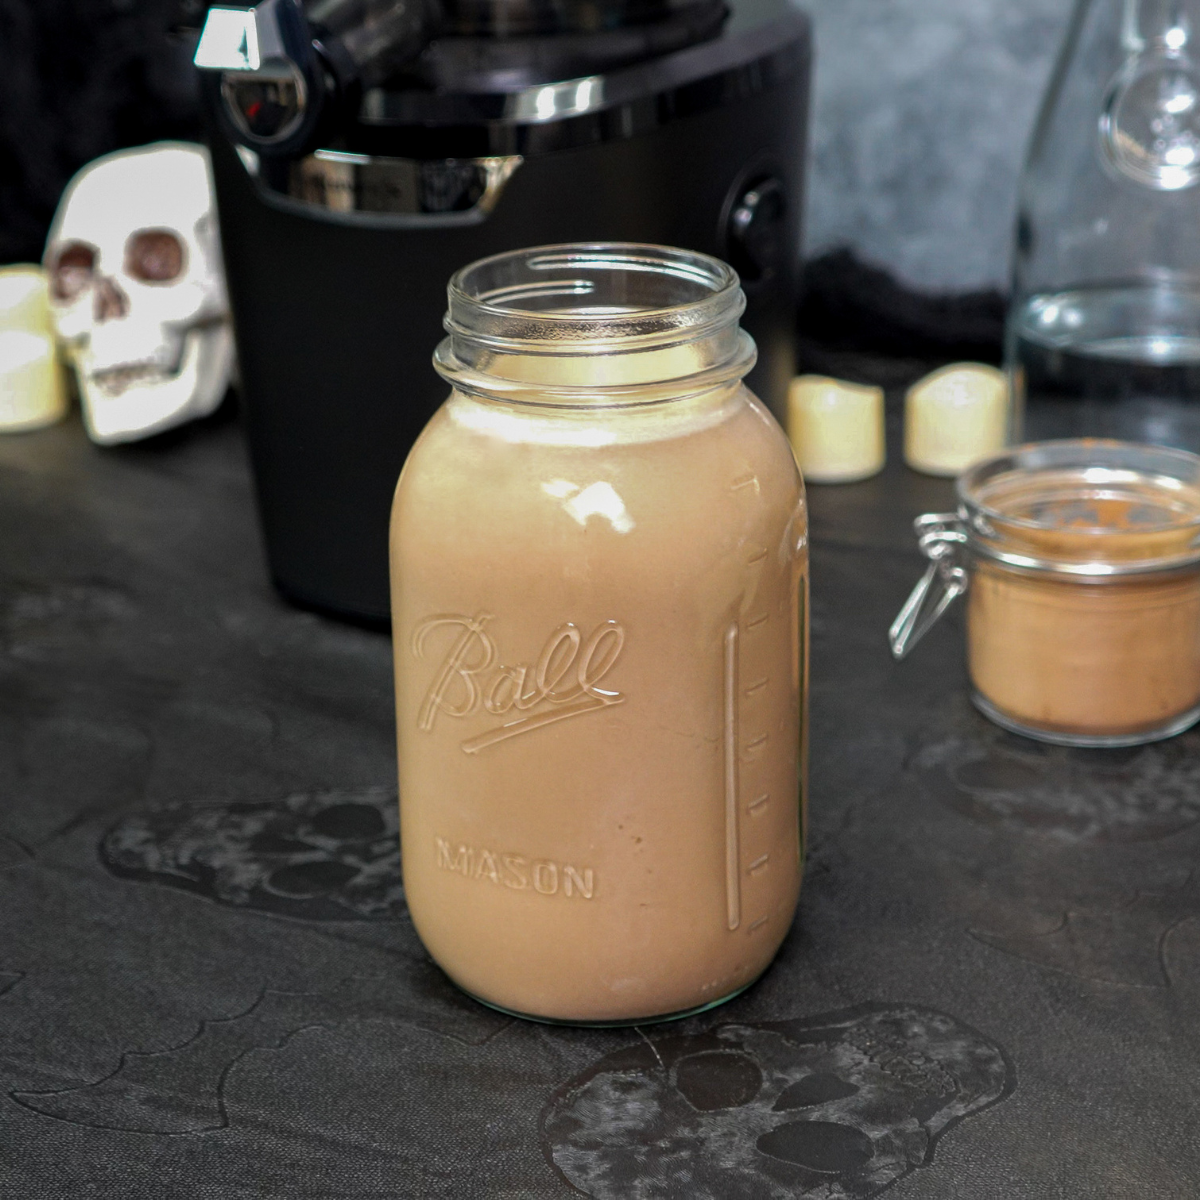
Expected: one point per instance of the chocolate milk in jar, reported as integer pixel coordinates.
(599, 582)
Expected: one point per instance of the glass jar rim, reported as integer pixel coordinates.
(484, 295)
(594, 324)
(1102, 550)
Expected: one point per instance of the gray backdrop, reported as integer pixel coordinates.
(922, 109)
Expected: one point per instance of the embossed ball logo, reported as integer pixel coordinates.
(562, 683)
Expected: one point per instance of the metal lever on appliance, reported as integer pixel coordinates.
(941, 537)
(248, 39)
(274, 86)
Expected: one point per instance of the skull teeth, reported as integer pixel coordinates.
(115, 380)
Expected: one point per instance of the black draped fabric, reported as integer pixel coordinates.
(80, 78)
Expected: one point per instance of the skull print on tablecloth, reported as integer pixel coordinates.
(834, 1107)
(137, 291)
(324, 856)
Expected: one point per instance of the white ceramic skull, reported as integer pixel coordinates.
(137, 291)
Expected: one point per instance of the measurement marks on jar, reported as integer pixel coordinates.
(751, 677)
(744, 749)
(756, 745)
(733, 854)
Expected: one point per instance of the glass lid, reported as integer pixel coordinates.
(1089, 505)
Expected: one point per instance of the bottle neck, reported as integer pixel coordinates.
(1170, 26)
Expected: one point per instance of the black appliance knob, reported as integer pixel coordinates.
(757, 230)
(266, 110)
(274, 88)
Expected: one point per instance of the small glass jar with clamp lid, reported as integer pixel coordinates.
(1080, 560)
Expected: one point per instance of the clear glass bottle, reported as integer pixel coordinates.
(599, 574)
(1104, 328)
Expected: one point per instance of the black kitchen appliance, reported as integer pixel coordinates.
(364, 150)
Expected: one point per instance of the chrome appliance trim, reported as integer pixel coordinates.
(407, 192)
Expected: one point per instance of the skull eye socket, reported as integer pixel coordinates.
(73, 270)
(154, 256)
(350, 822)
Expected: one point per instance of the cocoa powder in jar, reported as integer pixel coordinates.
(1091, 654)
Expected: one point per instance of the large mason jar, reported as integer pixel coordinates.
(599, 582)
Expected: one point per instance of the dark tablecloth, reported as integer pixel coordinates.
(209, 986)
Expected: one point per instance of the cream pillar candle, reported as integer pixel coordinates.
(25, 299)
(954, 417)
(33, 388)
(836, 429)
